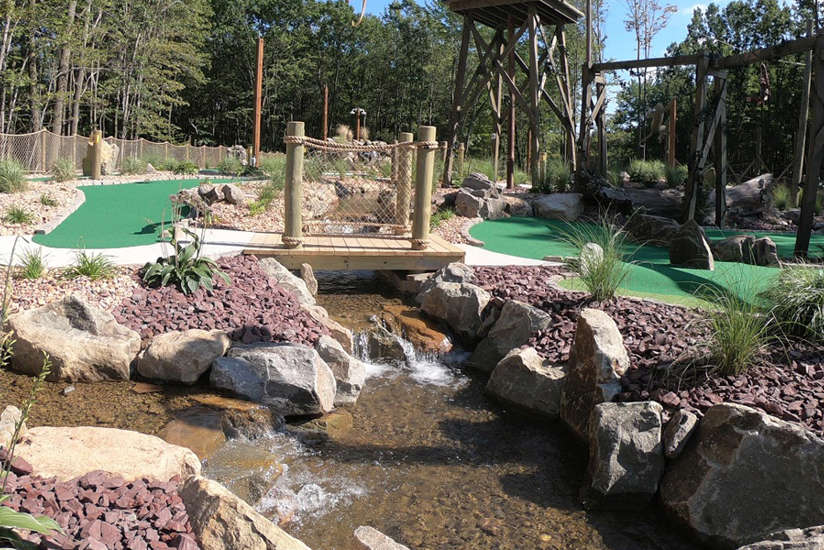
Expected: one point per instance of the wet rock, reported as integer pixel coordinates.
(689, 248)
(523, 379)
(460, 305)
(678, 431)
(333, 425)
(560, 206)
(745, 475)
(199, 429)
(409, 323)
(222, 521)
(626, 459)
(283, 277)
(382, 345)
(84, 342)
(349, 372)
(182, 356)
(811, 538)
(9, 419)
(292, 379)
(250, 424)
(247, 470)
(597, 361)
(515, 325)
(308, 276)
(83, 449)
(649, 229)
(372, 539)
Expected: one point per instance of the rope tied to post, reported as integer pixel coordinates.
(330, 146)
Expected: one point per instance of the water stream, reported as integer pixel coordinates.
(430, 461)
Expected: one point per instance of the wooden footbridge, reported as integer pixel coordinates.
(396, 235)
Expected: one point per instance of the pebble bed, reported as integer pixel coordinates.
(101, 511)
(252, 308)
(656, 335)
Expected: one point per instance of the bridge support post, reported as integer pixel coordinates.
(403, 156)
(423, 188)
(293, 222)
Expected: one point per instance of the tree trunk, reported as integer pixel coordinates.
(63, 72)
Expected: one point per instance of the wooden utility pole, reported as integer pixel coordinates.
(258, 101)
(803, 117)
(325, 112)
(510, 157)
(815, 154)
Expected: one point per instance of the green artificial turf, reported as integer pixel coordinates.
(116, 216)
(650, 272)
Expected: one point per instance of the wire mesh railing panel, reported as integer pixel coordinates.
(357, 189)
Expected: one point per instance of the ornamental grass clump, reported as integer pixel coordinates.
(12, 176)
(796, 300)
(132, 165)
(186, 268)
(602, 268)
(17, 215)
(32, 264)
(91, 265)
(63, 170)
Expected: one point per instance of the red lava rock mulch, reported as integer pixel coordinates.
(100, 511)
(655, 335)
(253, 308)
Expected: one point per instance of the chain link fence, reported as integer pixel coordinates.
(38, 151)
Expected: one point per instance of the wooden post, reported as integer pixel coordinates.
(325, 112)
(165, 150)
(203, 156)
(542, 167)
(95, 154)
(534, 94)
(815, 154)
(570, 154)
(258, 101)
(510, 157)
(404, 181)
(456, 114)
(496, 145)
(423, 188)
(293, 223)
(443, 148)
(695, 178)
(803, 117)
(587, 76)
(673, 119)
(43, 166)
(721, 157)
(601, 124)
(461, 158)
(357, 124)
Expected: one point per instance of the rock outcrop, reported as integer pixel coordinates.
(182, 356)
(84, 343)
(460, 305)
(523, 379)
(649, 229)
(287, 280)
(479, 198)
(560, 206)
(744, 475)
(350, 373)
(291, 379)
(810, 538)
(689, 248)
(746, 249)
(515, 325)
(597, 361)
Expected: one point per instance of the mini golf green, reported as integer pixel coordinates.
(117, 216)
(650, 274)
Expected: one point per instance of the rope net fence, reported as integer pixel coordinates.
(351, 188)
(38, 151)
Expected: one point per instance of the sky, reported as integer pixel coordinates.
(620, 43)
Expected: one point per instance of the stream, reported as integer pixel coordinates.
(429, 460)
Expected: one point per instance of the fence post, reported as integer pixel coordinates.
(461, 157)
(423, 187)
(203, 156)
(293, 224)
(95, 154)
(403, 177)
(43, 150)
(542, 167)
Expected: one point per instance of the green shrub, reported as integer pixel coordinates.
(556, 179)
(796, 298)
(132, 165)
(819, 201)
(12, 176)
(267, 194)
(159, 163)
(441, 216)
(32, 265)
(91, 265)
(186, 269)
(603, 272)
(48, 200)
(739, 330)
(17, 215)
(273, 166)
(184, 167)
(648, 172)
(677, 175)
(230, 166)
(63, 170)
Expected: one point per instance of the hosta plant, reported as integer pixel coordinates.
(186, 268)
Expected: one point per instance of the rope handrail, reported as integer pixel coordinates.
(352, 148)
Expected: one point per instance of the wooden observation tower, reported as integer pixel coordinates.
(499, 62)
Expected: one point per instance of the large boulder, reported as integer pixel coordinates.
(339, 332)
(744, 475)
(83, 342)
(765, 251)
(232, 194)
(381, 346)
(350, 373)
(626, 458)
(689, 248)
(656, 202)
(479, 182)
(287, 280)
(810, 538)
(597, 362)
(70, 452)
(468, 205)
(289, 378)
(222, 521)
(680, 427)
(560, 206)
(525, 380)
(372, 539)
(516, 324)
(421, 331)
(182, 356)
(738, 248)
(454, 272)
(460, 305)
(649, 229)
